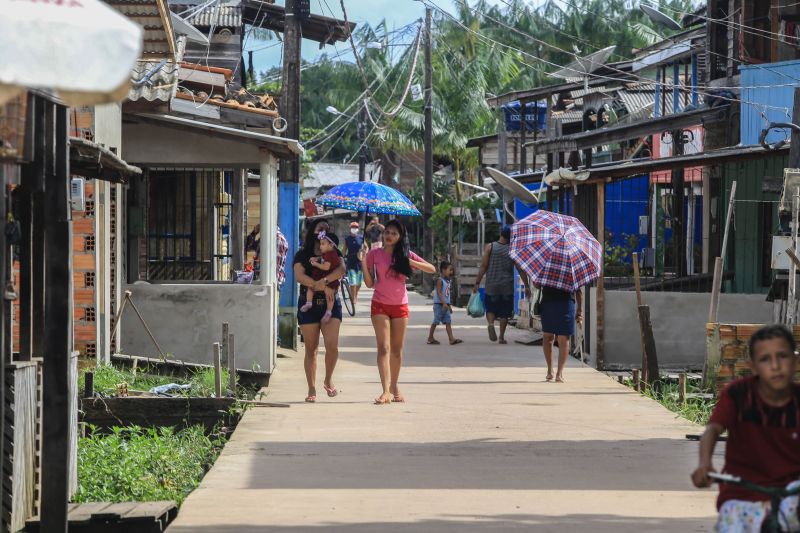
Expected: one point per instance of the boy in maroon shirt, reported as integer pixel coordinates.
(762, 416)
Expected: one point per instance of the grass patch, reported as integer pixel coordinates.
(107, 377)
(136, 464)
(694, 409)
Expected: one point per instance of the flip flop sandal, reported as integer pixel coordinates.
(502, 341)
(492, 333)
(456, 341)
(311, 399)
(332, 392)
(434, 341)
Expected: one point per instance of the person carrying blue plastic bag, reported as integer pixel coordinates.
(475, 307)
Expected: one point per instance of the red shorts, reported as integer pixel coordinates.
(392, 311)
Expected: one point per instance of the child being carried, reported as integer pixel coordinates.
(328, 242)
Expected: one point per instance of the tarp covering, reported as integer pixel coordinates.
(82, 49)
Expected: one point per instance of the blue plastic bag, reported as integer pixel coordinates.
(475, 307)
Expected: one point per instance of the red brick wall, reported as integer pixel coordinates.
(83, 248)
(84, 277)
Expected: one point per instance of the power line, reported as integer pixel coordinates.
(629, 77)
(363, 74)
(614, 21)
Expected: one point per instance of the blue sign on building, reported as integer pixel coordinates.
(535, 116)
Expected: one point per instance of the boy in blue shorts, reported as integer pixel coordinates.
(442, 311)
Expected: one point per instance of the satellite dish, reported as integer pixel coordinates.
(660, 18)
(512, 186)
(182, 27)
(583, 66)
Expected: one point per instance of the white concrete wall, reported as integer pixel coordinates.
(679, 321)
(108, 132)
(186, 319)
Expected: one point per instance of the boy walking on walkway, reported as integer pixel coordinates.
(442, 311)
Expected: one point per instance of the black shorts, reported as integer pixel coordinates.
(314, 315)
(500, 305)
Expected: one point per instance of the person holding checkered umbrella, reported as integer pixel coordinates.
(559, 256)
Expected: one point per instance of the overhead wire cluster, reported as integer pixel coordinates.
(626, 76)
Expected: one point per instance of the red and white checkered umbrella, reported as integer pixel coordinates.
(556, 251)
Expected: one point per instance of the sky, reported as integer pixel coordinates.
(267, 54)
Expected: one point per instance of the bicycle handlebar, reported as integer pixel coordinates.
(724, 478)
(737, 480)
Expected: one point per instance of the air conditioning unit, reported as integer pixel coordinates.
(77, 194)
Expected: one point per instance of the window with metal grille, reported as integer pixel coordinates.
(183, 224)
(88, 243)
(88, 279)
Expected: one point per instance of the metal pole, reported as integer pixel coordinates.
(792, 299)
(428, 141)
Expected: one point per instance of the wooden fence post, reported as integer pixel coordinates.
(636, 382)
(232, 364)
(217, 370)
(681, 388)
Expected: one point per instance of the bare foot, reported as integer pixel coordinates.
(549, 376)
(502, 341)
(397, 397)
(383, 399)
(559, 379)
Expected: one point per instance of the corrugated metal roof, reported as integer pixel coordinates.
(580, 93)
(161, 84)
(229, 16)
(572, 115)
(153, 17)
(636, 100)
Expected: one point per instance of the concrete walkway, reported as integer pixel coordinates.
(482, 444)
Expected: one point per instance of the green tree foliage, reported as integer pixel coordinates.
(485, 48)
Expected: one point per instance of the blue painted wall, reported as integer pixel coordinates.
(769, 85)
(626, 201)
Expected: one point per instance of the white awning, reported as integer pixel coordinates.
(82, 49)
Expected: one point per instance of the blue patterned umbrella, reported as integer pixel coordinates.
(368, 197)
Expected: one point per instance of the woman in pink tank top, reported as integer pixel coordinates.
(385, 270)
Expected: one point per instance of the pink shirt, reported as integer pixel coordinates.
(390, 287)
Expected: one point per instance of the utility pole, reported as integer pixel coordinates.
(290, 92)
(362, 142)
(289, 180)
(428, 142)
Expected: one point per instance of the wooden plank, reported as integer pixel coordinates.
(245, 375)
(115, 511)
(58, 338)
(232, 364)
(154, 510)
(601, 230)
(81, 513)
(156, 411)
(217, 371)
(650, 358)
